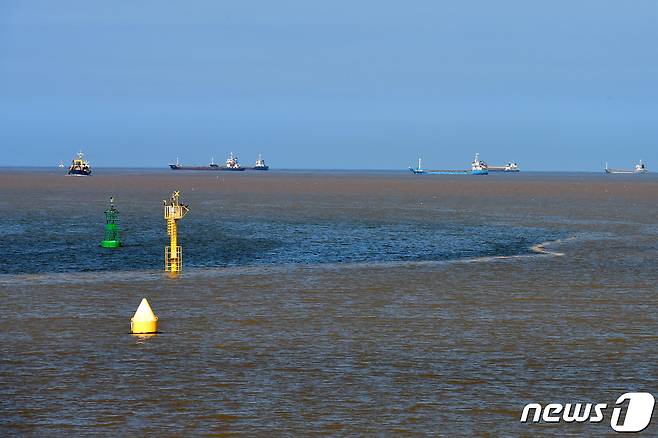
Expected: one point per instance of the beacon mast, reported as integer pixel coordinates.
(173, 212)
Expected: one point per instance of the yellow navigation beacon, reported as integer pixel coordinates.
(173, 211)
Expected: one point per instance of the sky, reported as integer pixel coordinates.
(554, 85)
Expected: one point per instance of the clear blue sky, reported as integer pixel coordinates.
(555, 85)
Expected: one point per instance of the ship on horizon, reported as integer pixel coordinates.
(260, 164)
(639, 168)
(419, 169)
(231, 165)
(79, 166)
(478, 167)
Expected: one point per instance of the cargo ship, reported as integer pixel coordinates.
(231, 165)
(420, 171)
(79, 166)
(478, 167)
(260, 164)
(510, 167)
(639, 168)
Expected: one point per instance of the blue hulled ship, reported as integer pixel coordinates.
(479, 167)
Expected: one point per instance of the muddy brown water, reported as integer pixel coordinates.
(336, 303)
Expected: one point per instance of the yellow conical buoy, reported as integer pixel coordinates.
(144, 320)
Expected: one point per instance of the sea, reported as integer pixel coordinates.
(336, 303)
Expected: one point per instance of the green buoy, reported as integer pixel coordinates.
(111, 227)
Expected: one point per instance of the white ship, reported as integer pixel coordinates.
(260, 164)
(232, 163)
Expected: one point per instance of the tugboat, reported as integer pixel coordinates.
(79, 166)
(479, 167)
(260, 164)
(639, 168)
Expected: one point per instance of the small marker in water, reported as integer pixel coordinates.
(144, 320)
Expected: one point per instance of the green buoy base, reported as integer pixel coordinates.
(110, 243)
